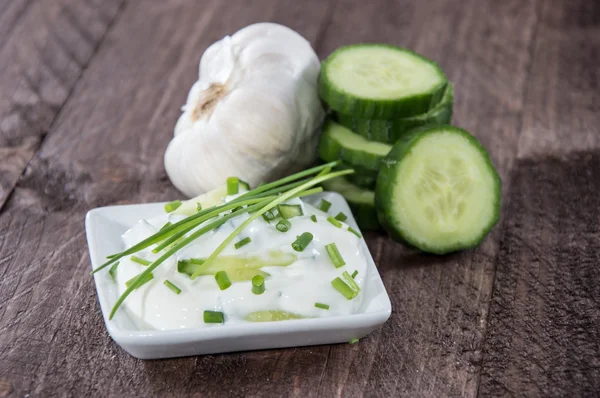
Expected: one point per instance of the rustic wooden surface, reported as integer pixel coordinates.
(90, 93)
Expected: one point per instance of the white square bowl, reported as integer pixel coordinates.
(104, 227)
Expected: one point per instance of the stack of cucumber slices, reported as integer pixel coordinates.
(427, 183)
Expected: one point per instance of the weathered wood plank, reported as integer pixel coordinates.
(432, 344)
(105, 147)
(543, 337)
(44, 46)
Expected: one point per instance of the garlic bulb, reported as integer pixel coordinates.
(254, 112)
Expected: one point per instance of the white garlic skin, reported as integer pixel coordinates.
(254, 113)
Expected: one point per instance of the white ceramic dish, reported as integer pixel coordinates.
(104, 227)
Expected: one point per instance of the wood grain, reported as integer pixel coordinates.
(44, 48)
(102, 110)
(544, 322)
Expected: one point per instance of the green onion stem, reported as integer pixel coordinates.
(280, 199)
(140, 260)
(334, 255)
(258, 284)
(283, 226)
(233, 185)
(334, 221)
(222, 280)
(172, 206)
(171, 286)
(243, 242)
(355, 232)
(322, 306)
(302, 241)
(213, 317)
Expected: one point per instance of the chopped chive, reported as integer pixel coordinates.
(167, 225)
(172, 206)
(314, 218)
(198, 206)
(233, 185)
(171, 286)
(322, 306)
(145, 279)
(334, 255)
(302, 241)
(222, 280)
(353, 341)
(324, 205)
(347, 287)
(213, 317)
(259, 200)
(283, 226)
(289, 211)
(355, 232)
(350, 281)
(140, 260)
(268, 215)
(334, 222)
(243, 242)
(197, 261)
(258, 284)
(354, 273)
(113, 271)
(341, 217)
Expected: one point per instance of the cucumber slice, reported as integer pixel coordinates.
(360, 200)
(362, 177)
(380, 81)
(438, 190)
(389, 131)
(289, 211)
(337, 142)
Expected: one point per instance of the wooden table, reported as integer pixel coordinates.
(90, 94)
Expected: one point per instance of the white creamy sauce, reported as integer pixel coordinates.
(294, 288)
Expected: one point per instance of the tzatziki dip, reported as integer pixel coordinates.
(291, 263)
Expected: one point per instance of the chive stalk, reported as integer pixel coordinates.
(334, 255)
(233, 186)
(167, 225)
(213, 317)
(243, 242)
(172, 206)
(334, 222)
(341, 217)
(145, 279)
(313, 218)
(324, 205)
(322, 306)
(172, 287)
(283, 226)
(354, 274)
(302, 241)
(269, 216)
(258, 284)
(353, 341)
(140, 260)
(346, 286)
(222, 280)
(113, 271)
(355, 232)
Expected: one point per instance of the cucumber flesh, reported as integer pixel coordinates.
(360, 200)
(380, 81)
(361, 177)
(338, 142)
(438, 190)
(389, 131)
(289, 211)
